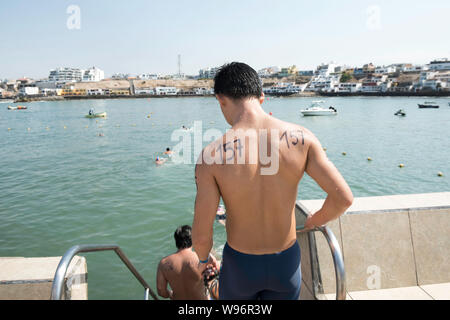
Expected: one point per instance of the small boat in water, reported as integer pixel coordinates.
(96, 115)
(428, 105)
(17, 108)
(316, 109)
(400, 113)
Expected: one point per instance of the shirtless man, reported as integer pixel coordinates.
(179, 270)
(261, 259)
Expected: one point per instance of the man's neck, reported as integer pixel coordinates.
(248, 112)
(184, 249)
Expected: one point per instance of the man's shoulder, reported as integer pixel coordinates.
(207, 157)
(297, 130)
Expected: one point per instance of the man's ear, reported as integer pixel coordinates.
(262, 98)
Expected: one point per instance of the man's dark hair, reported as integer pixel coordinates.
(237, 80)
(167, 149)
(183, 237)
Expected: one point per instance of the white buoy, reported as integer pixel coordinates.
(401, 165)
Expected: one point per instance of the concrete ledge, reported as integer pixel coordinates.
(388, 242)
(389, 203)
(31, 278)
(440, 291)
(404, 293)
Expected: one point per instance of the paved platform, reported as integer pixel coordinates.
(440, 291)
(389, 203)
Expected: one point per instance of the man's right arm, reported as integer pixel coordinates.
(322, 170)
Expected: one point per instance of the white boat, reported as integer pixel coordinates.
(316, 109)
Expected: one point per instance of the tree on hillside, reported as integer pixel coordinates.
(346, 77)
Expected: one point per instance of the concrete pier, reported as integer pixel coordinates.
(32, 278)
(394, 247)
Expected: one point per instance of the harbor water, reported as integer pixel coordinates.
(67, 180)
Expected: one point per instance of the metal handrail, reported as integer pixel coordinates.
(338, 261)
(58, 280)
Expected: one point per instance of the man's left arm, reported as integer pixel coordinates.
(206, 203)
(161, 283)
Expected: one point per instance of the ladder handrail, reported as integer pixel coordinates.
(338, 261)
(61, 270)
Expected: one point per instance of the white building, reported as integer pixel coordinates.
(324, 83)
(148, 76)
(208, 73)
(139, 91)
(374, 84)
(93, 74)
(50, 91)
(66, 75)
(434, 80)
(95, 92)
(166, 91)
(269, 71)
(414, 68)
(439, 65)
(326, 69)
(29, 91)
(385, 70)
(203, 91)
(120, 76)
(282, 88)
(349, 87)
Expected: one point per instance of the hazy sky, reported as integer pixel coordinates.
(142, 36)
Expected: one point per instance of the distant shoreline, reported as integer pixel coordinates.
(298, 95)
(387, 94)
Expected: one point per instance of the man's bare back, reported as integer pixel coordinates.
(260, 208)
(180, 271)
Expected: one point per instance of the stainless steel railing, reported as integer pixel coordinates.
(338, 261)
(58, 280)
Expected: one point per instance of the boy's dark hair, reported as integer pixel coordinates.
(183, 237)
(237, 80)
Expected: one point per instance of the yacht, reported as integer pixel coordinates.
(316, 109)
(428, 104)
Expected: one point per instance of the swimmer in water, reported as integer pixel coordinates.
(168, 151)
(160, 161)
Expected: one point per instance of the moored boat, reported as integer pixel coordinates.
(17, 108)
(428, 105)
(317, 110)
(96, 115)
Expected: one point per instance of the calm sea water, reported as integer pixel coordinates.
(62, 184)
